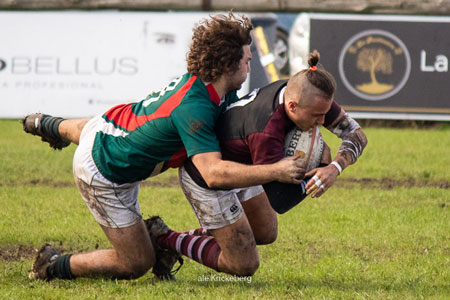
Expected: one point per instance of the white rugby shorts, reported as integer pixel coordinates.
(113, 205)
(216, 208)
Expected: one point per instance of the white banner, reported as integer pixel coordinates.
(79, 64)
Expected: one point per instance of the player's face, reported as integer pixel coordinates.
(238, 78)
(312, 115)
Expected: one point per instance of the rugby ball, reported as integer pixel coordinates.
(308, 144)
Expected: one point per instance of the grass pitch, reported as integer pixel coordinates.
(381, 232)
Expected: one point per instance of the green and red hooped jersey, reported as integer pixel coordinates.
(142, 139)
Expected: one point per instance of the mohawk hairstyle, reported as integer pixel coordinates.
(318, 76)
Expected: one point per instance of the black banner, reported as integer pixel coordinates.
(387, 68)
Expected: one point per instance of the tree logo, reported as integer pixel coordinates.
(374, 65)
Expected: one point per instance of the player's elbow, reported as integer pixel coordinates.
(212, 183)
(212, 169)
(215, 179)
(221, 175)
(365, 141)
(362, 139)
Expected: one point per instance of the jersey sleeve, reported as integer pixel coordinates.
(333, 115)
(195, 122)
(265, 148)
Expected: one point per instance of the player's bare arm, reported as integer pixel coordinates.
(353, 143)
(353, 139)
(219, 173)
(71, 129)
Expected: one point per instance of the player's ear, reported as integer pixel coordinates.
(292, 105)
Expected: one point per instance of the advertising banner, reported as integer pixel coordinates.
(388, 67)
(79, 64)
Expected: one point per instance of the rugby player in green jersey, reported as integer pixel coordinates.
(131, 142)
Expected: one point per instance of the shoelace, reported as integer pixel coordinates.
(180, 261)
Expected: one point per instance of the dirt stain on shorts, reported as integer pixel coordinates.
(88, 195)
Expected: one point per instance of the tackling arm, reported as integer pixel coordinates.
(225, 174)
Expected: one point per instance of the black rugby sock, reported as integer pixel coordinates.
(60, 268)
(49, 126)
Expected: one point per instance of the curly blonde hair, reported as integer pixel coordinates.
(216, 46)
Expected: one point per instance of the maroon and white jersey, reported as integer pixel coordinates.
(253, 129)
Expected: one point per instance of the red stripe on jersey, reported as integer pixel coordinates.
(177, 160)
(124, 117)
(213, 94)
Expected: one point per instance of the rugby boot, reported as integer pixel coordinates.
(45, 256)
(165, 258)
(32, 124)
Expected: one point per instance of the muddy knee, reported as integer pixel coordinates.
(137, 268)
(248, 268)
(268, 233)
(135, 272)
(267, 237)
(244, 264)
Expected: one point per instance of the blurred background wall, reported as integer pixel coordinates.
(77, 58)
(433, 7)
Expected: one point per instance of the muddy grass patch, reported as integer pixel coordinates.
(16, 252)
(365, 182)
(389, 183)
(24, 252)
(170, 182)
